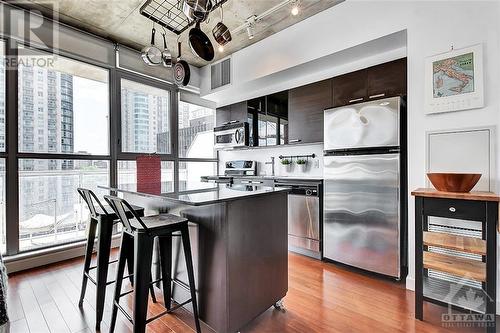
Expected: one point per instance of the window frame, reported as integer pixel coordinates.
(12, 153)
(12, 156)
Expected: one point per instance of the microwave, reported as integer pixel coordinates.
(231, 135)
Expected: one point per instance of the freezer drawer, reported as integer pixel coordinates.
(362, 212)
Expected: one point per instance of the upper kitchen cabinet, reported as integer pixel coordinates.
(350, 88)
(387, 80)
(384, 80)
(277, 118)
(305, 111)
(237, 111)
(268, 118)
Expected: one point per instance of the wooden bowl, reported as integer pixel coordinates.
(454, 182)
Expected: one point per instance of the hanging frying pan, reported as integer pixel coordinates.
(182, 73)
(150, 53)
(200, 43)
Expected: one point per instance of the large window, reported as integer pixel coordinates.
(63, 107)
(63, 110)
(145, 117)
(2, 97)
(196, 136)
(3, 233)
(50, 209)
(71, 128)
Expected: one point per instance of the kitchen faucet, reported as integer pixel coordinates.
(272, 165)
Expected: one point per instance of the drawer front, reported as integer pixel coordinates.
(455, 209)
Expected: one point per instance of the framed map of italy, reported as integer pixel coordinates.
(454, 80)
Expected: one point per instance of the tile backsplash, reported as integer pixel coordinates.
(262, 155)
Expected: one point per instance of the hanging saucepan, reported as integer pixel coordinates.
(221, 33)
(197, 10)
(151, 54)
(166, 55)
(182, 73)
(200, 43)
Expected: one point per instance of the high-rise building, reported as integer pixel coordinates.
(145, 122)
(45, 122)
(45, 115)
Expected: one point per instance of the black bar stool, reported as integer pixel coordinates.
(140, 233)
(104, 219)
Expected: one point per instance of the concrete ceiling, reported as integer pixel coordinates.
(120, 21)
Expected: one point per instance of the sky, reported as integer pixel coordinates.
(91, 113)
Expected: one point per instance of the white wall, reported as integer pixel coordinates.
(432, 27)
(262, 155)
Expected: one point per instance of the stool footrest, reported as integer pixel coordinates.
(111, 262)
(126, 293)
(90, 278)
(94, 281)
(125, 313)
(181, 284)
(168, 311)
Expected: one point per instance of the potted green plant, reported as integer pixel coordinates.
(302, 163)
(287, 163)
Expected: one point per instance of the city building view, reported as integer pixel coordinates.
(54, 112)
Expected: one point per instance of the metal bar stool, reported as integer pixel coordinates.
(103, 220)
(140, 233)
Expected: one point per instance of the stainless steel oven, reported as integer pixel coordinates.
(231, 135)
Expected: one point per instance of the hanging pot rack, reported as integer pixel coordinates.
(168, 14)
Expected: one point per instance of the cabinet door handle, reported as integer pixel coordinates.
(376, 96)
(356, 100)
(294, 140)
(452, 209)
(250, 182)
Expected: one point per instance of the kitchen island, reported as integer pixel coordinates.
(239, 244)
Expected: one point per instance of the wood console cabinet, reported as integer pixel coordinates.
(451, 268)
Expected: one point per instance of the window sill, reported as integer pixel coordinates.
(42, 257)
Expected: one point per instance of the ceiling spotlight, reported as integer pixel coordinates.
(250, 31)
(221, 48)
(295, 8)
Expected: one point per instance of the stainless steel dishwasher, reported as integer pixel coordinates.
(304, 209)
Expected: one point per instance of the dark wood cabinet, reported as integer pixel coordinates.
(305, 111)
(387, 79)
(384, 80)
(237, 111)
(296, 115)
(350, 88)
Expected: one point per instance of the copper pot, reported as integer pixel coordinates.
(221, 34)
(454, 182)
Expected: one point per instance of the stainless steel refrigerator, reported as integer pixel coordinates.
(364, 171)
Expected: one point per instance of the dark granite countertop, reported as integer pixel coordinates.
(219, 193)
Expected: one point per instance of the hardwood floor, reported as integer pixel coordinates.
(322, 298)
